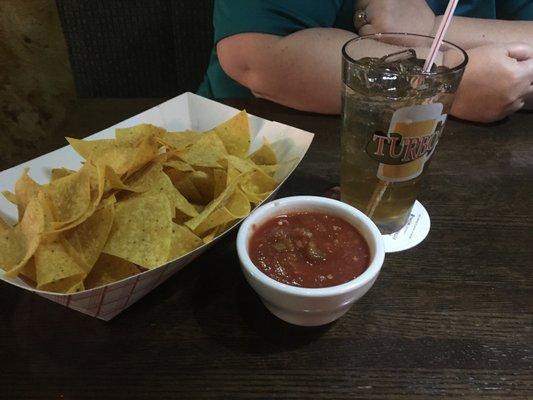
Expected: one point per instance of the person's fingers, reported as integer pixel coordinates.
(367, 29)
(520, 51)
(363, 15)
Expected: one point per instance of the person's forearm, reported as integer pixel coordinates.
(301, 70)
(474, 32)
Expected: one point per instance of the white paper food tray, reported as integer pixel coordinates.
(187, 111)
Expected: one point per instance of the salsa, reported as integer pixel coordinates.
(309, 249)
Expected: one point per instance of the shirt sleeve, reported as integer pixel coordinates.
(466, 8)
(515, 10)
(276, 17)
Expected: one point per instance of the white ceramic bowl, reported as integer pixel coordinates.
(310, 306)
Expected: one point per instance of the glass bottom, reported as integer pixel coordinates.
(388, 226)
(393, 225)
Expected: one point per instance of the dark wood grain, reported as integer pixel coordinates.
(450, 318)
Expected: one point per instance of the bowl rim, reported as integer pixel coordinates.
(269, 209)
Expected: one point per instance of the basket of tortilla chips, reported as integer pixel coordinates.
(132, 205)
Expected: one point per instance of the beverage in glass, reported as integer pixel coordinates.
(393, 116)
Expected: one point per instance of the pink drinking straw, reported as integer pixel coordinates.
(439, 36)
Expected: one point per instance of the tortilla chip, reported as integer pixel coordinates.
(11, 197)
(58, 173)
(246, 165)
(106, 201)
(217, 203)
(86, 148)
(179, 140)
(203, 181)
(113, 181)
(265, 155)
(25, 190)
(77, 287)
(142, 230)
(175, 175)
(55, 270)
(146, 151)
(85, 242)
(220, 181)
(49, 233)
(198, 207)
(182, 182)
(255, 198)
(109, 269)
(181, 203)
(13, 255)
(179, 165)
(270, 170)
(238, 204)
(258, 182)
(232, 174)
(138, 133)
(205, 152)
(209, 237)
(235, 134)
(143, 180)
(70, 196)
(154, 181)
(124, 157)
(12, 247)
(96, 185)
(180, 218)
(182, 242)
(4, 226)
(242, 164)
(214, 233)
(257, 186)
(28, 271)
(217, 218)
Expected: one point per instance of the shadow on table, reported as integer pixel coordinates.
(229, 311)
(271, 328)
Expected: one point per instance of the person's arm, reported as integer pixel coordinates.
(417, 17)
(498, 81)
(301, 70)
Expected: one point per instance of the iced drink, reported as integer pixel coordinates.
(392, 119)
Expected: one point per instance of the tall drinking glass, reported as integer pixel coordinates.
(393, 115)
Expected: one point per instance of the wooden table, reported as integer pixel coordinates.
(449, 318)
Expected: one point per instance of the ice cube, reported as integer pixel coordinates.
(403, 55)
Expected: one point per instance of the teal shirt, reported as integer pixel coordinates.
(488, 9)
(283, 17)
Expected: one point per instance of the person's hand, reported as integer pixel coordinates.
(412, 16)
(498, 81)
